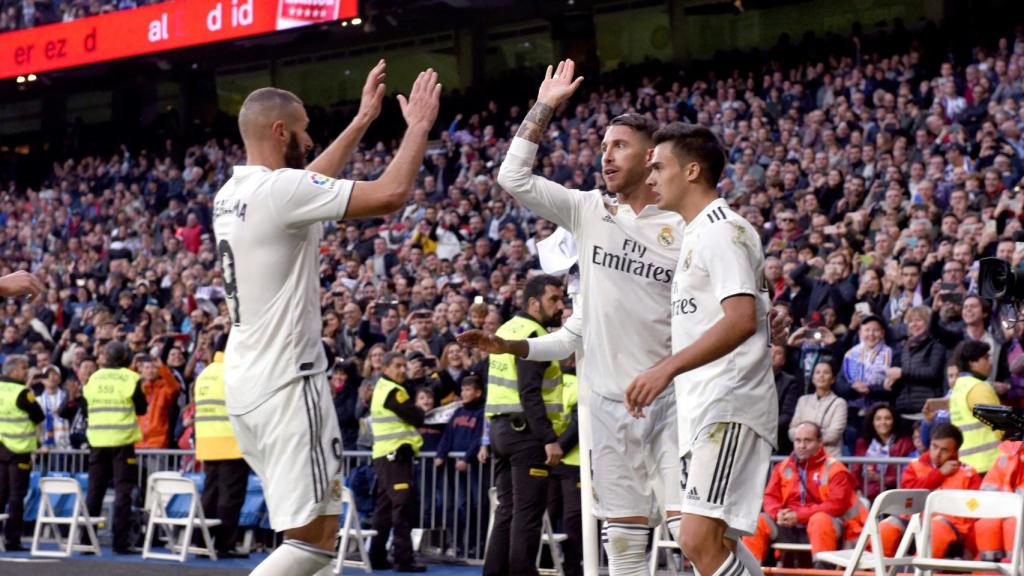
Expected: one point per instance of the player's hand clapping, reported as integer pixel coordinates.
(373, 93)
(647, 386)
(420, 108)
(483, 341)
(558, 87)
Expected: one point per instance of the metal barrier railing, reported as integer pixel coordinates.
(453, 503)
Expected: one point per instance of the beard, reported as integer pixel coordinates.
(294, 155)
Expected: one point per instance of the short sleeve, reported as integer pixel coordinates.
(301, 197)
(726, 253)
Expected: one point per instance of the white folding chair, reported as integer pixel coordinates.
(161, 489)
(892, 503)
(660, 544)
(970, 504)
(492, 499)
(352, 533)
(47, 520)
(553, 541)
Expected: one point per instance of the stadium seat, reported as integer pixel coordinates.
(254, 510)
(47, 519)
(162, 489)
(32, 497)
(352, 533)
(890, 503)
(970, 504)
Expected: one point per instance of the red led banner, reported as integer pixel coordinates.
(156, 28)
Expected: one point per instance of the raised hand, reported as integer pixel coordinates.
(420, 108)
(373, 93)
(559, 85)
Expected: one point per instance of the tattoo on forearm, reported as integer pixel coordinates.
(536, 122)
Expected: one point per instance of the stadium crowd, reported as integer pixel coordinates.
(878, 182)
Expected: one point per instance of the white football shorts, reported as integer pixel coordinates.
(293, 443)
(634, 460)
(723, 474)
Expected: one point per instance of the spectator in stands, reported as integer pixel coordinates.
(918, 375)
(823, 408)
(938, 469)
(431, 433)
(788, 390)
(995, 536)
(862, 379)
(981, 444)
(879, 439)
(463, 434)
(810, 497)
(345, 381)
(161, 389)
(55, 431)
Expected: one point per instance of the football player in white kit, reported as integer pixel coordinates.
(721, 362)
(268, 224)
(627, 255)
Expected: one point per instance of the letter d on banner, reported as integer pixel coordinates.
(215, 19)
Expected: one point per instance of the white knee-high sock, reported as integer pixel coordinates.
(731, 567)
(626, 546)
(294, 558)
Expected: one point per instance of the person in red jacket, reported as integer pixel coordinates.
(995, 535)
(939, 469)
(810, 496)
(161, 389)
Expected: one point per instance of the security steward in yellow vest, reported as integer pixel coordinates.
(394, 419)
(980, 448)
(227, 474)
(524, 404)
(564, 491)
(19, 415)
(112, 400)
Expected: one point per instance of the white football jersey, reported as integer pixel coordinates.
(626, 265)
(268, 231)
(722, 257)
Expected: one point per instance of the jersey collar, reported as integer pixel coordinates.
(713, 212)
(244, 170)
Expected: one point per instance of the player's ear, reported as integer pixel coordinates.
(692, 172)
(279, 131)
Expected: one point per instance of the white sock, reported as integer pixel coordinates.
(294, 558)
(672, 523)
(731, 567)
(752, 566)
(626, 546)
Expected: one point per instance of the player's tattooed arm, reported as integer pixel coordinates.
(536, 121)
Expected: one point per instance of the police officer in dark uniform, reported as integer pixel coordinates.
(112, 400)
(525, 405)
(19, 416)
(394, 419)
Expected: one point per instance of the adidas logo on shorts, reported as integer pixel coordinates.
(692, 494)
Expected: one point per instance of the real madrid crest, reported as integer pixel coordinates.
(665, 237)
(687, 260)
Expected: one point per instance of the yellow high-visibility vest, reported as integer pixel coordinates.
(390, 432)
(503, 377)
(215, 439)
(112, 419)
(571, 396)
(981, 443)
(17, 431)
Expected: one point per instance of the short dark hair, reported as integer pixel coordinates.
(390, 357)
(910, 263)
(695, 143)
(536, 286)
(638, 122)
(944, 430)
(117, 354)
(970, 351)
(221, 343)
(471, 380)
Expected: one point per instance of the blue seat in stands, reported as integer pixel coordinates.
(32, 497)
(254, 509)
(179, 505)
